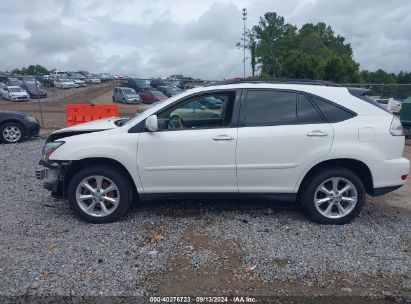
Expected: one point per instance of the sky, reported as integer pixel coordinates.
(148, 38)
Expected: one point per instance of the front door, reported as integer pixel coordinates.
(190, 153)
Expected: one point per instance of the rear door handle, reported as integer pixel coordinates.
(223, 137)
(317, 133)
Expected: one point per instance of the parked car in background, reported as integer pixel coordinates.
(47, 81)
(14, 126)
(34, 92)
(2, 86)
(151, 96)
(74, 75)
(136, 84)
(79, 83)
(169, 90)
(64, 83)
(27, 78)
(317, 143)
(193, 110)
(125, 95)
(157, 82)
(14, 82)
(15, 93)
(211, 102)
(92, 79)
(392, 105)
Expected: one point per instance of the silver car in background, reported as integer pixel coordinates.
(125, 95)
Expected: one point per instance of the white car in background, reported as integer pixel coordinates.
(317, 143)
(15, 93)
(79, 83)
(392, 105)
(64, 83)
(92, 80)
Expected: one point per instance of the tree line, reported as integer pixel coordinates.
(314, 51)
(31, 70)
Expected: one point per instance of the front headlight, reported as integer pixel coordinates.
(49, 148)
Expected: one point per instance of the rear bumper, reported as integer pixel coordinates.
(387, 174)
(384, 190)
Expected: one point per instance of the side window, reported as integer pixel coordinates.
(193, 114)
(270, 107)
(307, 113)
(332, 112)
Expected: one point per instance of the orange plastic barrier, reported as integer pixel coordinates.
(79, 113)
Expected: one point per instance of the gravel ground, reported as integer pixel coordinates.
(209, 247)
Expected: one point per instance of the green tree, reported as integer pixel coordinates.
(313, 51)
(299, 64)
(31, 70)
(269, 31)
(379, 76)
(341, 69)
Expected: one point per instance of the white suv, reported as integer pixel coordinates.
(320, 144)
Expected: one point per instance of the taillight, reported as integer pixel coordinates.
(404, 177)
(396, 127)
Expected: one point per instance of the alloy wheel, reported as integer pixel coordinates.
(335, 197)
(97, 196)
(12, 134)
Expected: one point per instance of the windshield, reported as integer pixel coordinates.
(129, 92)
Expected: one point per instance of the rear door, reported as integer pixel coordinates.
(280, 133)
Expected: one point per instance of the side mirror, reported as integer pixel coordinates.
(152, 123)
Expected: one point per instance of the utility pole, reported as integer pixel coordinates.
(244, 41)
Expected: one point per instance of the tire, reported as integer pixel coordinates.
(11, 133)
(124, 101)
(114, 100)
(338, 208)
(122, 194)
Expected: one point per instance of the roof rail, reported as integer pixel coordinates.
(278, 80)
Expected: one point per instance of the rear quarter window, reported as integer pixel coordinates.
(332, 112)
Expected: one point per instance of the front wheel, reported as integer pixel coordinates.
(99, 194)
(11, 133)
(334, 195)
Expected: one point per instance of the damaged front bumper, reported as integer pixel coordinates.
(53, 176)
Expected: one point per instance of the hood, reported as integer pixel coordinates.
(95, 125)
(87, 127)
(12, 113)
(132, 95)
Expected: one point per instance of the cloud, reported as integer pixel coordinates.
(161, 37)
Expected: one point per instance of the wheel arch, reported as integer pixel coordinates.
(75, 166)
(356, 166)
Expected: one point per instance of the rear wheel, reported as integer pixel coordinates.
(11, 133)
(99, 194)
(334, 195)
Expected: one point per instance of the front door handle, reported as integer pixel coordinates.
(223, 137)
(317, 133)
